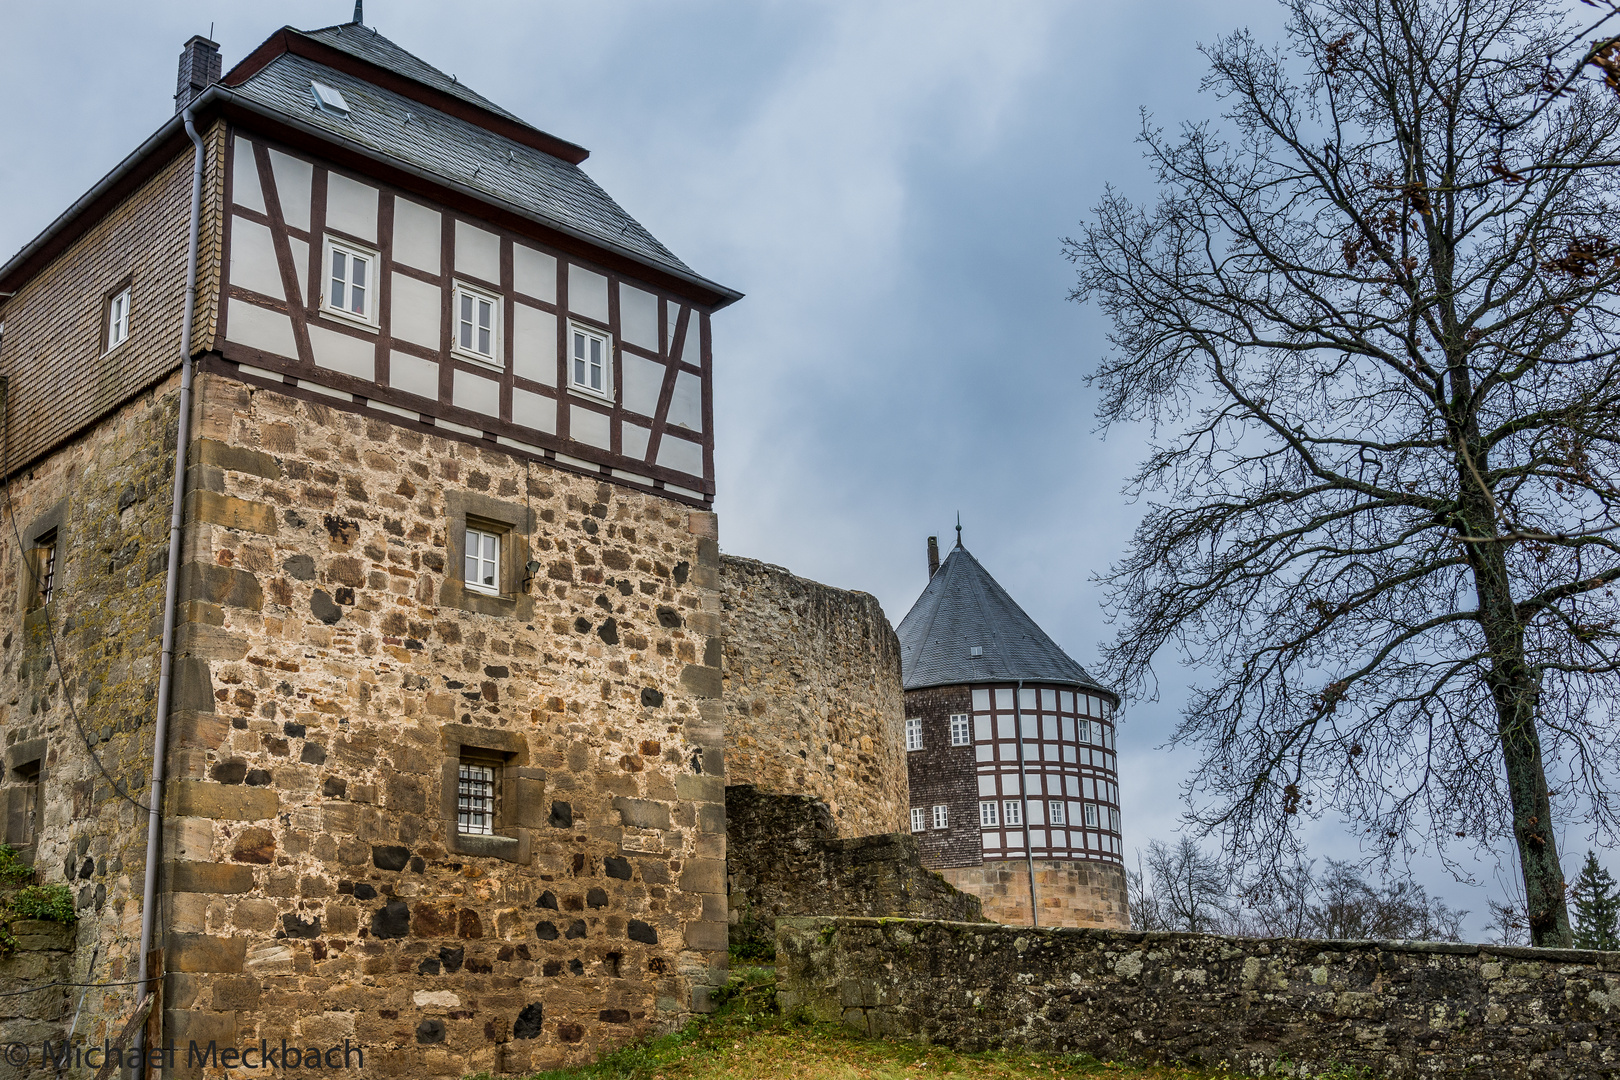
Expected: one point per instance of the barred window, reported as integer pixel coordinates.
(475, 798)
(45, 560)
(941, 817)
(961, 734)
(988, 816)
(918, 824)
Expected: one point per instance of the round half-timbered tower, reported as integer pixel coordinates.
(1010, 755)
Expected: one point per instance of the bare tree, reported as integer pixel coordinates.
(1190, 887)
(1372, 320)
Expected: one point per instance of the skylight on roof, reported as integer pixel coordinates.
(327, 99)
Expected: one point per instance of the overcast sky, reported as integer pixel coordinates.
(888, 183)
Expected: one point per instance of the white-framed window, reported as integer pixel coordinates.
(942, 816)
(475, 798)
(1091, 814)
(919, 819)
(477, 324)
(989, 815)
(118, 320)
(351, 282)
(1012, 812)
(914, 733)
(1113, 814)
(975, 651)
(1054, 812)
(590, 360)
(483, 565)
(961, 731)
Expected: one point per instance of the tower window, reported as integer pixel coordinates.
(1091, 814)
(961, 734)
(45, 569)
(989, 818)
(1012, 812)
(941, 816)
(118, 319)
(589, 361)
(1054, 812)
(350, 285)
(914, 734)
(918, 819)
(475, 796)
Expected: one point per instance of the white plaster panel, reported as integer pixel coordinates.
(300, 255)
(686, 405)
(587, 293)
(638, 317)
(633, 439)
(416, 236)
(680, 455)
(534, 344)
(351, 206)
(535, 273)
(260, 328)
(469, 391)
(642, 379)
(534, 411)
(413, 375)
(245, 189)
(478, 252)
(253, 258)
(590, 427)
(340, 352)
(414, 310)
(293, 178)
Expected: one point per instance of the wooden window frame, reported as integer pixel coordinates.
(495, 357)
(483, 530)
(350, 250)
(25, 776)
(941, 816)
(961, 729)
(989, 814)
(1056, 813)
(115, 315)
(606, 392)
(1012, 813)
(919, 819)
(914, 728)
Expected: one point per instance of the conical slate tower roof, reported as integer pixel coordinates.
(962, 607)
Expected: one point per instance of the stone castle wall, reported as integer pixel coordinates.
(1396, 1009)
(1068, 892)
(44, 955)
(333, 669)
(784, 857)
(812, 696)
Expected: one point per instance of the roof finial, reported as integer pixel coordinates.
(959, 528)
(359, 15)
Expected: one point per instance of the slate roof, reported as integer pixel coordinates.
(964, 606)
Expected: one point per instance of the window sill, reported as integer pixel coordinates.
(509, 848)
(591, 395)
(477, 358)
(347, 319)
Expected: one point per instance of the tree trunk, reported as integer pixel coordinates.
(1517, 690)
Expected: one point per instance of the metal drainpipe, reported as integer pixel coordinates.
(171, 588)
(1023, 794)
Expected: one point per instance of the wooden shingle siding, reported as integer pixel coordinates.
(60, 376)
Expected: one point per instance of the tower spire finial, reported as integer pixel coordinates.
(359, 14)
(959, 528)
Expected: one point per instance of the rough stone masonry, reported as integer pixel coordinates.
(1398, 1009)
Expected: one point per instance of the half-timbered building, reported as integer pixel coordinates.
(1011, 757)
(363, 666)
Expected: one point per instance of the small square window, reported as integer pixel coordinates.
(44, 569)
(476, 787)
(483, 562)
(975, 651)
(914, 734)
(328, 99)
(961, 733)
(919, 820)
(477, 324)
(1012, 812)
(1054, 812)
(118, 319)
(590, 363)
(941, 816)
(989, 818)
(351, 287)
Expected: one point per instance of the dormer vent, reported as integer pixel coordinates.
(975, 652)
(328, 100)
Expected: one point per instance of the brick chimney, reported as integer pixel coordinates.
(199, 69)
(933, 556)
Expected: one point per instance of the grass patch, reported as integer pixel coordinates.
(745, 1039)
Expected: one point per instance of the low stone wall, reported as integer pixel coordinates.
(812, 695)
(1069, 892)
(784, 857)
(1398, 1009)
(44, 955)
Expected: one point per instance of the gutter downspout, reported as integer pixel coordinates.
(1023, 793)
(171, 588)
